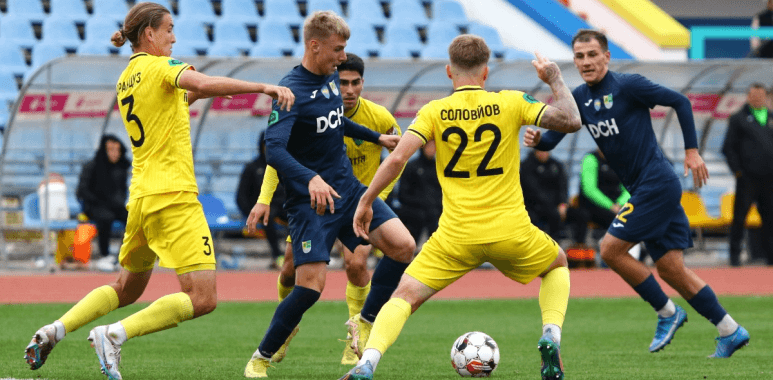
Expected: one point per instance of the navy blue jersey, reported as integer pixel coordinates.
(616, 112)
(308, 140)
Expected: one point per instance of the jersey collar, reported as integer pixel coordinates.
(135, 55)
(468, 88)
(350, 114)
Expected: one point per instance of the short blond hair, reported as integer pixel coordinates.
(468, 52)
(322, 24)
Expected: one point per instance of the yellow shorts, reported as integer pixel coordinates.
(441, 262)
(171, 227)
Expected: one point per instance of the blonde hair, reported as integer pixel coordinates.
(322, 24)
(468, 52)
(140, 17)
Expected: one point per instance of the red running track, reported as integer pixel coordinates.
(479, 284)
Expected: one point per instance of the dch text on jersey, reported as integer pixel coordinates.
(603, 128)
(332, 120)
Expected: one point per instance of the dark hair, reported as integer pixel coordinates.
(586, 35)
(758, 85)
(468, 51)
(140, 17)
(353, 63)
(100, 157)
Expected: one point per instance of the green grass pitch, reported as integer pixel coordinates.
(602, 339)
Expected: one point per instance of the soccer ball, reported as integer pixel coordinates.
(475, 354)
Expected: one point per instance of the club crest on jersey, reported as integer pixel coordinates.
(597, 104)
(325, 92)
(306, 245)
(334, 88)
(273, 117)
(358, 142)
(608, 101)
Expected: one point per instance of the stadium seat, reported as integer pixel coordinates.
(282, 11)
(30, 10)
(727, 204)
(191, 32)
(698, 216)
(195, 10)
(217, 215)
(491, 35)
(273, 36)
(13, 60)
(32, 218)
(8, 91)
(450, 11)
(441, 33)
(100, 29)
(95, 48)
(363, 41)
(17, 31)
(73, 10)
(435, 51)
(397, 51)
(239, 12)
(513, 54)
(403, 35)
(232, 34)
(225, 49)
(61, 31)
(366, 11)
(109, 9)
(45, 52)
(183, 49)
(408, 11)
(324, 5)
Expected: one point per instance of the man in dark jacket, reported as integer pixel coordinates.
(748, 148)
(545, 193)
(762, 48)
(248, 193)
(420, 196)
(102, 190)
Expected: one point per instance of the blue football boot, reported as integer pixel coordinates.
(728, 345)
(360, 372)
(667, 328)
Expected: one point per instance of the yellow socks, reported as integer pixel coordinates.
(554, 296)
(283, 291)
(355, 297)
(165, 313)
(99, 302)
(388, 324)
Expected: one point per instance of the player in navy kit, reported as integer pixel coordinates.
(615, 110)
(306, 147)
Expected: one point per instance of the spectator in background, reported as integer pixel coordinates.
(748, 148)
(102, 189)
(248, 193)
(762, 48)
(545, 193)
(420, 195)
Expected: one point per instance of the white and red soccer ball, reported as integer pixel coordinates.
(475, 354)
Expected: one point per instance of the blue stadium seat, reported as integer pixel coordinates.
(17, 31)
(324, 5)
(441, 33)
(73, 10)
(273, 36)
(110, 9)
(126, 49)
(450, 11)
(13, 60)
(195, 10)
(217, 215)
(513, 54)
(363, 41)
(32, 219)
(366, 11)
(239, 12)
(396, 51)
(233, 34)
(45, 52)
(184, 49)
(31, 10)
(61, 31)
(95, 48)
(8, 91)
(100, 29)
(491, 35)
(166, 3)
(225, 49)
(191, 32)
(435, 51)
(408, 11)
(403, 35)
(282, 11)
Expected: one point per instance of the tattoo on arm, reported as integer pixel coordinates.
(563, 115)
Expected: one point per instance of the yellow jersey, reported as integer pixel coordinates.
(155, 113)
(478, 161)
(364, 156)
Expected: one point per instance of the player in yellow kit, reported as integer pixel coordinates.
(365, 159)
(166, 220)
(484, 218)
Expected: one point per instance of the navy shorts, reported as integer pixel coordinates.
(654, 215)
(314, 235)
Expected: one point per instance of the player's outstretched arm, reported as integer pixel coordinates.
(693, 162)
(563, 115)
(205, 86)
